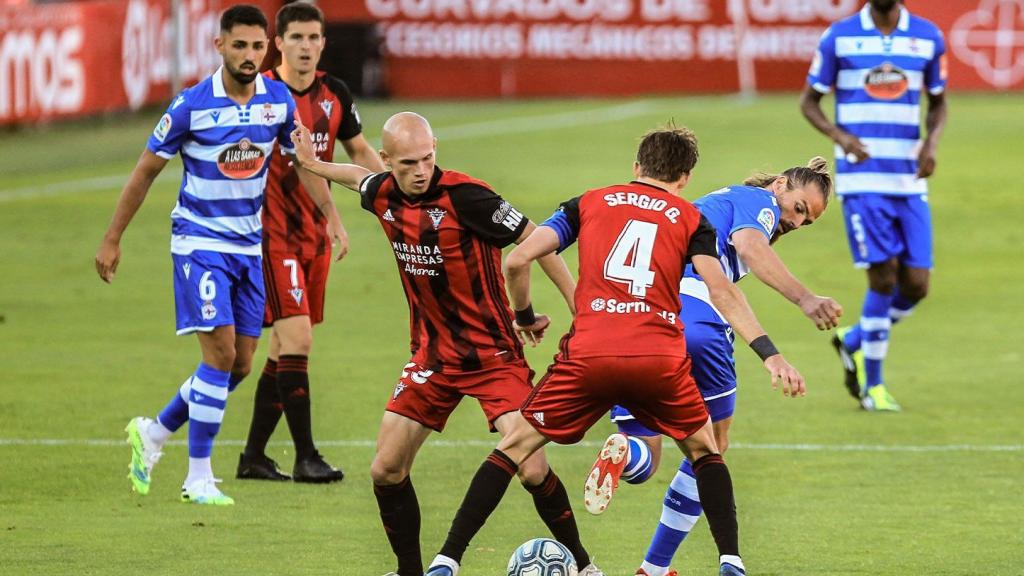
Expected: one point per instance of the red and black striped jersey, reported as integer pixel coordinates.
(634, 242)
(291, 221)
(447, 244)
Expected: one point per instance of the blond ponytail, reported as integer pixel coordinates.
(817, 171)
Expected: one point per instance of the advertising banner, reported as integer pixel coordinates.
(486, 48)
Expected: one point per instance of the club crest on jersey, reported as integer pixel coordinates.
(886, 82)
(766, 218)
(296, 294)
(399, 388)
(242, 160)
(209, 311)
(268, 115)
(163, 127)
(436, 215)
(327, 106)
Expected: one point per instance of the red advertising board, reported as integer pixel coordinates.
(481, 48)
(79, 58)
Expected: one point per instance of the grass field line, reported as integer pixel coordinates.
(444, 443)
(467, 131)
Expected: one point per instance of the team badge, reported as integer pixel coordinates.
(886, 82)
(296, 294)
(268, 115)
(766, 218)
(163, 127)
(436, 215)
(327, 106)
(209, 310)
(242, 160)
(399, 388)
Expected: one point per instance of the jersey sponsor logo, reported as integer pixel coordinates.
(613, 306)
(187, 269)
(163, 127)
(327, 106)
(501, 212)
(242, 160)
(597, 304)
(387, 215)
(766, 218)
(296, 295)
(209, 311)
(436, 215)
(512, 219)
(886, 82)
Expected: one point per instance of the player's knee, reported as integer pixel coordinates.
(297, 342)
(915, 290)
(533, 471)
(385, 473)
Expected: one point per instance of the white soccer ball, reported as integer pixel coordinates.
(542, 557)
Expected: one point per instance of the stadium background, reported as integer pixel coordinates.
(543, 100)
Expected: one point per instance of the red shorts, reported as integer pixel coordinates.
(295, 286)
(430, 397)
(658, 390)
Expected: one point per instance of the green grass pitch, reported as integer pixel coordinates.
(822, 487)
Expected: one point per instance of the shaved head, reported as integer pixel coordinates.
(408, 146)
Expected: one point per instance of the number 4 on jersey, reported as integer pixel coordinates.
(629, 261)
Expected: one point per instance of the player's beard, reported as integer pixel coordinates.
(884, 6)
(243, 77)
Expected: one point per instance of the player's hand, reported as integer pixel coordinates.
(303, 142)
(926, 161)
(822, 310)
(107, 259)
(853, 146)
(533, 333)
(783, 373)
(339, 238)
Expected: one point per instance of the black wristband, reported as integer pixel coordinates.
(526, 317)
(763, 347)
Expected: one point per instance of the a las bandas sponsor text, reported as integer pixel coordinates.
(417, 255)
(642, 201)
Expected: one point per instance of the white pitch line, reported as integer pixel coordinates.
(364, 443)
(521, 125)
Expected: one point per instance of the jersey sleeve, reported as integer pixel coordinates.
(754, 212)
(935, 73)
(488, 215)
(351, 125)
(284, 134)
(171, 130)
(824, 67)
(566, 223)
(368, 189)
(703, 241)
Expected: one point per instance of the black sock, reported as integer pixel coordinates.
(484, 494)
(293, 386)
(400, 513)
(714, 486)
(266, 411)
(552, 503)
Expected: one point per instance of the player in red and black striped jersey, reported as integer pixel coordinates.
(447, 231)
(297, 249)
(625, 345)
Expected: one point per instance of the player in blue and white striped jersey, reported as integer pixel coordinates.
(881, 62)
(225, 129)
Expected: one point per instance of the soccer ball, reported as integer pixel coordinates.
(542, 557)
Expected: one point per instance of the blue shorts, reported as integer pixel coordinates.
(214, 289)
(709, 342)
(882, 226)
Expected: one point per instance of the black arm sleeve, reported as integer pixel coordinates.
(703, 241)
(351, 126)
(368, 189)
(487, 214)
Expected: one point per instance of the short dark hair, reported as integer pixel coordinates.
(666, 154)
(244, 15)
(297, 12)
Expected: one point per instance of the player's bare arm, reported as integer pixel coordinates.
(754, 249)
(731, 302)
(810, 106)
(134, 193)
(361, 153)
(348, 175)
(935, 123)
(541, 243)
(555, 268)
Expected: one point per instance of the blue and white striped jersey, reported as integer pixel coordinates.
(730, 209)
(878, 82)
(225, 149)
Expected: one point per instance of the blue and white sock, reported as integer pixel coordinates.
(640, 465)
(207, 400)
(175, 414)
(679, 513)
(874, 326)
